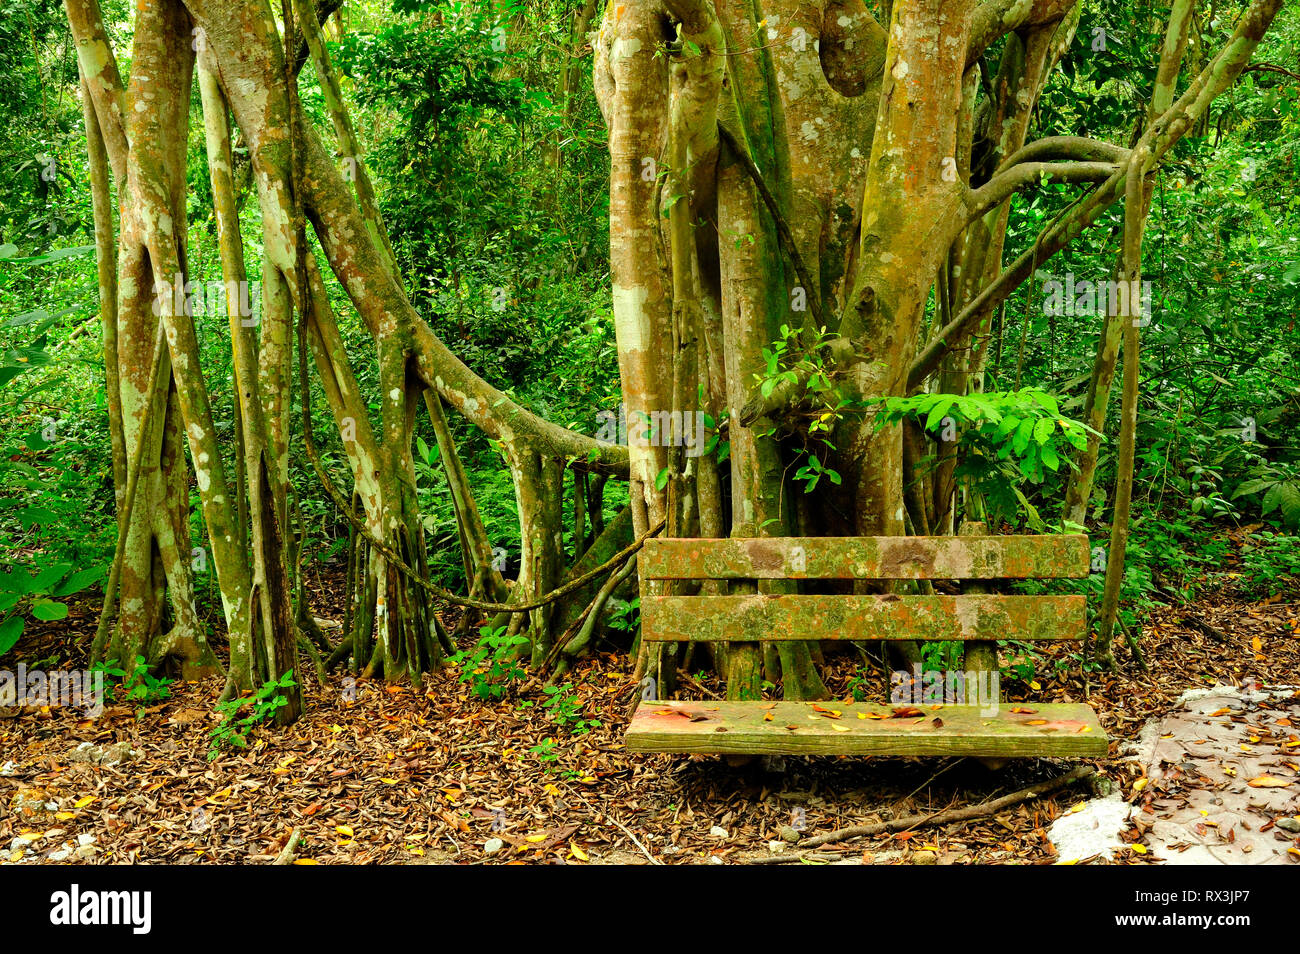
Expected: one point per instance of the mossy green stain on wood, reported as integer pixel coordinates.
(867, 558)
(760, 617)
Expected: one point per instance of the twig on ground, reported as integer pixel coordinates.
(290, 850)
(649, 857)
(947, 816)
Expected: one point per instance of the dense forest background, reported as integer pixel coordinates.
(489, 159)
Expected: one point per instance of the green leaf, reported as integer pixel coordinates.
(1051, 459)
(937, 412)
(1020, 442)
(10, 630)
(78, 581)
(1289, 503)
(49, 610)
(1252, 487)
(45, 579)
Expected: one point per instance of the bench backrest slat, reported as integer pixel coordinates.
(759, 618)
(1054, 556)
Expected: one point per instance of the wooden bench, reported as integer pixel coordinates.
(838, 728)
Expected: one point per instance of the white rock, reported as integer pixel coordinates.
(19, 843)
(493, 845)
(85, 839)
(717, 832)
(1092, 830)
(63, 854)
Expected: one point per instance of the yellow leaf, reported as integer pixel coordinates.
(578, 852)
(65, 816)
(535, 838)
(1033, 684)
(83, 802)
(839, 728)
(1269, 781)
(304, 861)
(1140, 849)
(1255, 644)
(862, 715)
(1140, 784)
(344, 830)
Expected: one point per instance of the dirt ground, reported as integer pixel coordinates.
(389, 774)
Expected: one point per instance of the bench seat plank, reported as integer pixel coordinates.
(758, 617)
(836, 728)
(1046, 556)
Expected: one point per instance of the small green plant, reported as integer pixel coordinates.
(492, 664)
(22, 591)
(1271, 564)
(804, 354)
(1278, 489)
(241, 716)
(858, 684)
(137, 687)
(942, 656)
(626, 617)
(1003, 439)
(545, 751)
(565, 710)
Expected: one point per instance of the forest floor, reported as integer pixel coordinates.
(389, 774)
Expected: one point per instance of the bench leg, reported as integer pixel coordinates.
(982, 657)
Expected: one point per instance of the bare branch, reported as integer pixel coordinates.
(1022, 175)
